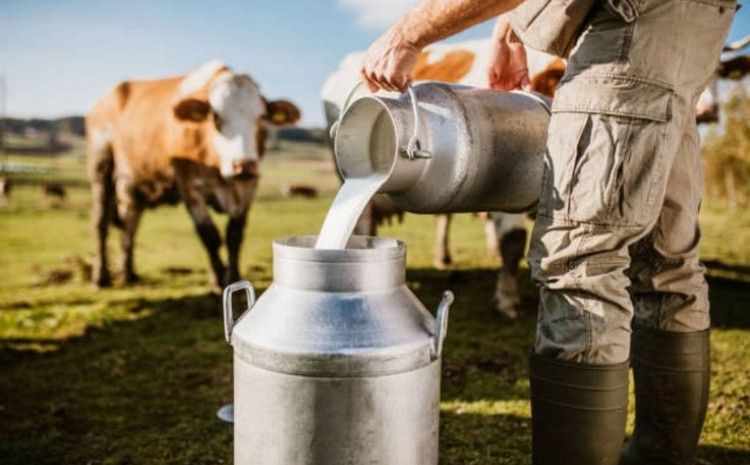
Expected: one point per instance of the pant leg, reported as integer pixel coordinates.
(669, 290)
(615, 174)
(602, 183)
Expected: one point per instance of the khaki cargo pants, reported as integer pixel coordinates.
(617, 234)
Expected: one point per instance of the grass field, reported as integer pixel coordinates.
(135, 375)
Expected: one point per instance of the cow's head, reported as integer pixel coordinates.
(233, 113)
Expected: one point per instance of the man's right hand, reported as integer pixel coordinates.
(508, 68)
(388, 62)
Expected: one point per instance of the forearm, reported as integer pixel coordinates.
(434, 20)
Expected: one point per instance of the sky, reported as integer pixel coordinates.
(59, 56)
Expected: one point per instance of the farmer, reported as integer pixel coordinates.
(614, 247)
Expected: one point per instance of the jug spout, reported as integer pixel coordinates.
(374, 138)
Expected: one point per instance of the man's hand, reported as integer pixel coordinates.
(388, 63)
(508, 68)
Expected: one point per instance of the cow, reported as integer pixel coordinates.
(196, 138)
(54, 190)
(460, 63)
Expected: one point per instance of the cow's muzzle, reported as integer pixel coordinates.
(245, 168)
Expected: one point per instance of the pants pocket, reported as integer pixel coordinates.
(611, 172)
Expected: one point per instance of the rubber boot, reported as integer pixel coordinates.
(671, 373)
(578, 412)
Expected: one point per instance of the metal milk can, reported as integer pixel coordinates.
(447, 148)
(337, 363)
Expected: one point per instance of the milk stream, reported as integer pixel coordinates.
(346, 209)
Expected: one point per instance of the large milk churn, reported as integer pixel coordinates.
(447, 148)
(337, 363)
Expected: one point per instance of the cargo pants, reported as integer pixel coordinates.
(616, 236)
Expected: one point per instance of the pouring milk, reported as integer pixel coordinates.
(356, 192)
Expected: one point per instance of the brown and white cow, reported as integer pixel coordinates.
(196, 138)
(461, 63)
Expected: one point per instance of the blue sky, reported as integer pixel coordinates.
(58, 56)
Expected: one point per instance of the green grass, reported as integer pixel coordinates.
(134, 375)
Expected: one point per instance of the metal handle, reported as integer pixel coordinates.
(413, 149)
(335, 126)
(229, 320)
(441, 324)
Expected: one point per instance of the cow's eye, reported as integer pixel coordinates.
(218, 121)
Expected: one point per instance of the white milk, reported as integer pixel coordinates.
(346, 209)
(371, 173)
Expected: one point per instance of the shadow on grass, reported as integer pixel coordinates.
(715, 455)
(472, 439)
(730, 303)
(718, 265)
(144, 391)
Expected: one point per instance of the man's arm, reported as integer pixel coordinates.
(388, 62)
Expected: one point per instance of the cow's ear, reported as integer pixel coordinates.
(282, 112)
(191, 109)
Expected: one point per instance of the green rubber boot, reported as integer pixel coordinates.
(671, 372)
(578, 412)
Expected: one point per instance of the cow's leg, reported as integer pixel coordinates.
(442, 256)
(490, 234)
(511, 231)
(235, 229)
(211, 241)
(102, 195)
(131, 218)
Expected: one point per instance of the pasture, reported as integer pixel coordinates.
(135, 375)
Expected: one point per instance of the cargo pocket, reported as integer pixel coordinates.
(620, 162)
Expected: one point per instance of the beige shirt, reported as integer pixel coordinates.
(553, 26)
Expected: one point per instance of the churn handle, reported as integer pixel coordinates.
(441, 323)
(335, 126)
(413, 149)
(228, 311)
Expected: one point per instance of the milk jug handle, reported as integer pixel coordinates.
(413, 149)
(441, 323)
(335, 126)
(229, 320)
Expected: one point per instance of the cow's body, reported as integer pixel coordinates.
(196, 138)
(461, 63)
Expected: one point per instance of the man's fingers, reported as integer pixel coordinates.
(372, 86)
(399, 83)
(526, 83)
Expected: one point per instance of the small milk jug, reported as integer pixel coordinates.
(337, 363)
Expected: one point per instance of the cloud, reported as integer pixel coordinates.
(378, 14)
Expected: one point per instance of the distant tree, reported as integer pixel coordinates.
(70, 125)
(727, 153)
